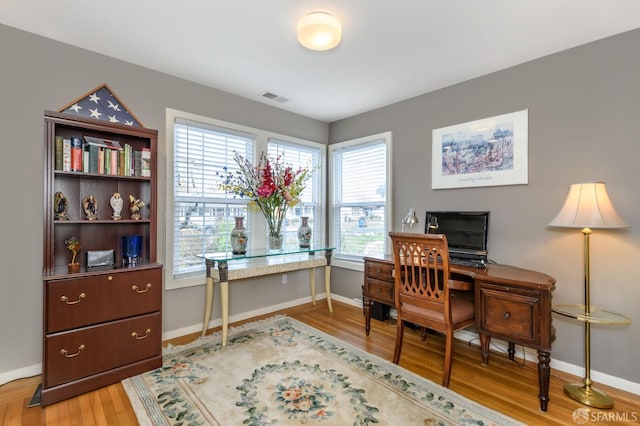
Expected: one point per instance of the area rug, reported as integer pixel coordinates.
(281, 371)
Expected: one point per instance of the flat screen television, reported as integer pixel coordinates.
(467, 233)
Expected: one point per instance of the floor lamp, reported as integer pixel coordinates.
(588, 206)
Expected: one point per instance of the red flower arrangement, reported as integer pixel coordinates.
(272, 186)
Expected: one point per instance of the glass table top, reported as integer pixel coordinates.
(263, 252)
(593, 315)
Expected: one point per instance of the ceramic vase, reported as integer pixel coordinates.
(239, 237)
(304, 233)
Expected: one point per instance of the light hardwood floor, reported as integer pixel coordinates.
(502, 385)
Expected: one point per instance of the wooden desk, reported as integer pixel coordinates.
(512, 304)
(257, 263)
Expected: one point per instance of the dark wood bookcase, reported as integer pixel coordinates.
(100, 325)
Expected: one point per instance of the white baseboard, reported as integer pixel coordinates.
(196, 328)
(20, 373)
(464, 335)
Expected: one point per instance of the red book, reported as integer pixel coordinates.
(76, 154)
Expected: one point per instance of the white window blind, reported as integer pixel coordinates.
(302, 156)
(203, 213)
(361, 182)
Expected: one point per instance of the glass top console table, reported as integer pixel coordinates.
(224, 267)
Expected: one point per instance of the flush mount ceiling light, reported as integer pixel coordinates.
(319, 31)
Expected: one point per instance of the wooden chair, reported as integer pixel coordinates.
(422, 293)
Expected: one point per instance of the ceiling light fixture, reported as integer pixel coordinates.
(319, 31)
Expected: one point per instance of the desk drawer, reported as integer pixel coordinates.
(379, 270)
(513, 314)
(379, 291)
(81, 301)
(80, 353)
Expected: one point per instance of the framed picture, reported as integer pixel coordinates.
(488, 152)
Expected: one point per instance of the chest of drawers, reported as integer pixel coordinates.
(100, 328)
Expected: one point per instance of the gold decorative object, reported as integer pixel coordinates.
(90, 207)
(135, 205)
(73, 245)
(60, 204)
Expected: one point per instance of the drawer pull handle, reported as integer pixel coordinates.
(146, 334)
(506, 315)
(68, 355)
(137, 290)
(110, 278)
(65, 299)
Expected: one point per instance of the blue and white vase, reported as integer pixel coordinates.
(239, 237)
(304, 233)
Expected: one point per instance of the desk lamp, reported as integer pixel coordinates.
(410, 219)
(588, 206)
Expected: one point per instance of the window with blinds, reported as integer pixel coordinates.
(360, 194)
(202, 212)
(200, 215)
(301, 156)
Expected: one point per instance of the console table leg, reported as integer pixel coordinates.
(207, 306)
(208, 303)
(224, 296)
(312, 283)
(544, 372)
(327, 285)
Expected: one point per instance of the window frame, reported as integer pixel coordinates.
(348, 261)
(258, 228)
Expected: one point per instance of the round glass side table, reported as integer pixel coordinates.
(593, 315)
(584, 392)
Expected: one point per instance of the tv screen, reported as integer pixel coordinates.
(467, 232)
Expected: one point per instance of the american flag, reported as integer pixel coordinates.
(101, 104)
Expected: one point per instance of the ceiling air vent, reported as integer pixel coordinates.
(274, 97)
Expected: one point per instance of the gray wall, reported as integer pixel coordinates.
(584, 107)
(38, 74)
(582, 104)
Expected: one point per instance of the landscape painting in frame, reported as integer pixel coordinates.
(488, 152)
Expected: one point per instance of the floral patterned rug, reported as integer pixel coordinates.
(281, 371)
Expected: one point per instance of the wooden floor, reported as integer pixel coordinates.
(502, 385)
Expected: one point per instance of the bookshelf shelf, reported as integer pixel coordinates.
(84, 175)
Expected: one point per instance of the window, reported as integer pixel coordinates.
(360, 198)
(202, 215)
(310, 204)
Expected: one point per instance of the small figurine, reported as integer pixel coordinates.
(116, 205)
(73, 245)
(134, 207)
(60, 206)
(90, 207)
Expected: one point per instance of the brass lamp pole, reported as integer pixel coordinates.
(588, 206)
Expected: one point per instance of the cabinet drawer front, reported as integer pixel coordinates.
(75, 354)
(380, 291)
(95, 299)
(513, 315)
(380, 271)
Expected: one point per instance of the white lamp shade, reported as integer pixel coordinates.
(319, 31)
(588, 206)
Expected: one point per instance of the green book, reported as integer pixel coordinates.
(59, 154)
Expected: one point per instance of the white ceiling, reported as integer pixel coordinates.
(391, 49)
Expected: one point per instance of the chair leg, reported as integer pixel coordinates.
(448, 349)
(424, 334)
(399, 335)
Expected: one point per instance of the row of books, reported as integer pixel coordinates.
(102, 156)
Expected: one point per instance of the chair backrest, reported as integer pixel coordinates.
(421, 263)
